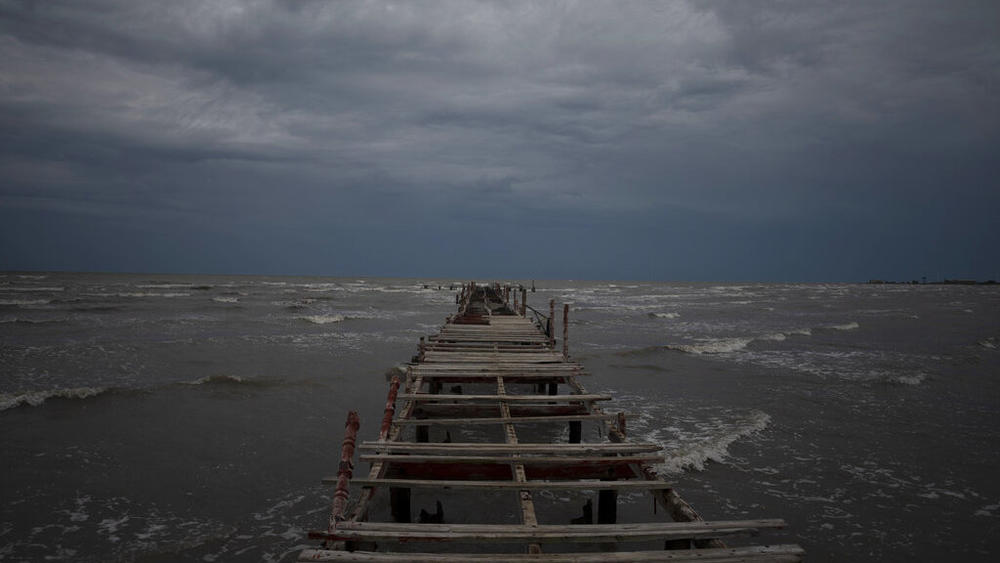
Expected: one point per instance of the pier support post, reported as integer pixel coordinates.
(422, 430)
(550, 329)
(566, 330)
(575, 432)
(524, 302)
(399, 504)
(607, 507)
(553, 388)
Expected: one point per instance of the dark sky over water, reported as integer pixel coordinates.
(678, 140)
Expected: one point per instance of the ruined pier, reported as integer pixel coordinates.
(491, 406)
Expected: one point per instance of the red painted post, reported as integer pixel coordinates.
(390, 408)
(345, 472)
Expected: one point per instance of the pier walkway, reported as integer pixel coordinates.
(507, 414)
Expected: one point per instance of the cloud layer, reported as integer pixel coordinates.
(700, 140)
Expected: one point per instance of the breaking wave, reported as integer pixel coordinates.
(18, 320)
(715, 448)
(33, 288)
(664, 315)
(226, 299)
(217, 380)
(23, 302)
(323, 319)
(35, 398)
(720, 346)
(846, 326)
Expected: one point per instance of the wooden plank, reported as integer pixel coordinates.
(524, 448)
(525, 459)
(583, 533)
(423, 397)
(460, 377)
(771, 553)
(505, 366)
(592, 485)
(501, 420)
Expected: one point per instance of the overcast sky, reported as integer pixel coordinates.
(740, 140)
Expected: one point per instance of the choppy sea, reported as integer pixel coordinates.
(191, 418)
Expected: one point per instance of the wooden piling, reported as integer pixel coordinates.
(607, 506)
(566, 330)
(551, 328)
(346, 468)
(575, 431)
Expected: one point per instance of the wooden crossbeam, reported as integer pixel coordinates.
(522, 448)
(502, 420)
(578, 485)
(423, 397)
(584, 533)
(525, 459)
(770, 553)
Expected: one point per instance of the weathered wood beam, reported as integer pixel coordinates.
(770, 553)
(594, 485)
(501, 420)
(574, 533)
(526, 448)
(422, 397)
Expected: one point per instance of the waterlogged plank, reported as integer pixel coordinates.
(586, 533)
(422, 397)
(771, 553)
(524, 459)
(578, 485)
(520, 448)
(502, 420)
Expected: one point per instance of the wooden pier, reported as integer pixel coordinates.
(496, 363)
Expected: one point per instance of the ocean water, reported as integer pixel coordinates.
(167, 417)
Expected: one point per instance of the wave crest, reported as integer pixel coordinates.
(217, 380)
(715, 448)
(664, 315)
(720, 346)
(323, 319)
(35, 398)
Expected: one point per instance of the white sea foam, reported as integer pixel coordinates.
(846, 326)
(34, 288)
(915, 379)
(35, 398)
(30, 321)
(24, 302)
(988, 510)
(226, 299)
(323, 319)
(211, 379)
(110, 526)
(138, 294)
(714, 448)
(665, 315)
(989, 343)
(720, 346)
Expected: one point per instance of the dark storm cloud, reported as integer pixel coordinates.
(680, 140)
